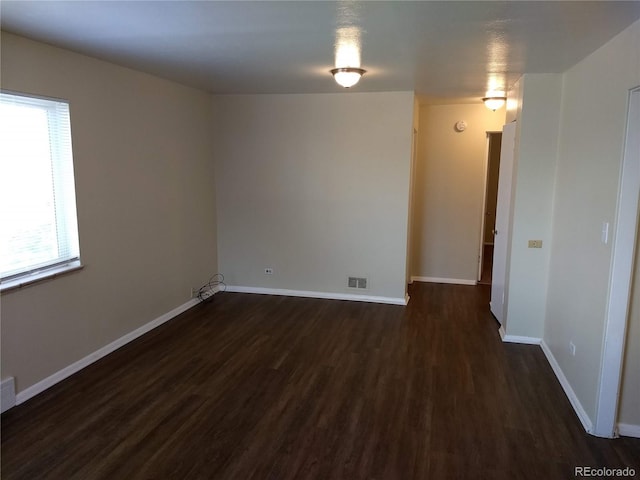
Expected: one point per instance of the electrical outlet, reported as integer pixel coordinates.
(268, 271)
(535, 243)
(357, 282)
(572, 348)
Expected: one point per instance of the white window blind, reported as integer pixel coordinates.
(38, 223)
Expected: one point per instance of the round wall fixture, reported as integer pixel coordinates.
(461, 126)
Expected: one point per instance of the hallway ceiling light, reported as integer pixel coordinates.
(494, 103)
(347, 76)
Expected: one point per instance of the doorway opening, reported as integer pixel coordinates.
(494, 140)
(625, 244)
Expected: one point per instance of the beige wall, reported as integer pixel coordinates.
(146, 208)
(449, 189)
(412, 184)
(532, 203)
(316, 187)
(593, 118)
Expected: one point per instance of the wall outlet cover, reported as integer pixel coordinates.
(357, 282)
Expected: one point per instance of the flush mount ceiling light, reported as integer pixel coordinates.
(494, 103)
(347, 76)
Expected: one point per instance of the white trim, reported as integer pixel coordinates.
(75, 367)
(502, 333)
(36, 276)
(566, 386)
(456, 281)
(629, 430)
(483, 219)
(621, 273)
(326, 295)
(412, 187)
(7, 394)
(520, 339)
(504, 224)
(573, 399)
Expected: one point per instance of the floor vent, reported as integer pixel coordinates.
(357, 282)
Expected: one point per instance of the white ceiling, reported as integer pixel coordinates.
(446, 49)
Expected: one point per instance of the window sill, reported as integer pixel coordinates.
(41, 276)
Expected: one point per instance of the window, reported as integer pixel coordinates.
(38, 224)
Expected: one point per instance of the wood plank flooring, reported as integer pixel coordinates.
(262, 387)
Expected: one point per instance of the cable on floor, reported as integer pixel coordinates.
(214, 285)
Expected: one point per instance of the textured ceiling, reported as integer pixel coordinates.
(439, 49)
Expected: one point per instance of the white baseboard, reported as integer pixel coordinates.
(520, 339)
(629, 430)
(51, 380)
(7, 394)
(325, 295)
(502, 333)
(566, 386)
(456, 281)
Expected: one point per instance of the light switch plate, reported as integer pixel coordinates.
(605, 233)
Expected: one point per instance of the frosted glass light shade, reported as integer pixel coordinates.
(348, 76)
(494, 103)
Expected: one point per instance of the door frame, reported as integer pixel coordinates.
(483, 216)
(621, 276)
(410, 225)
(504, 210)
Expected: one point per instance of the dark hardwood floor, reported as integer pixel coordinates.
(261, 387)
